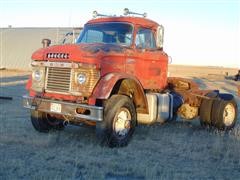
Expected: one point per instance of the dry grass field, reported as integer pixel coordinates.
(177, 150)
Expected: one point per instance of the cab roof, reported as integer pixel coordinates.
(133, 20)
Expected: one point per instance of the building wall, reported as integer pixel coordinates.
(18, 44)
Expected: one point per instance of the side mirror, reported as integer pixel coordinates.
(68, 38)
(160, 34)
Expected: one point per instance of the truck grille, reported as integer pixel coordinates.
(58, 79)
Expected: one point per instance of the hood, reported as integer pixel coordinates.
(77, 52)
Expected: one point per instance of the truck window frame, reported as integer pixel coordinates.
(125, 45)
(152, 45)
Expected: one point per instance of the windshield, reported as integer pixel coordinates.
(110, 33)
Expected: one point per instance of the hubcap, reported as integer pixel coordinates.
(122, 122)
(229, 114)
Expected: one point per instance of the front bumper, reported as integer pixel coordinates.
(94, 113)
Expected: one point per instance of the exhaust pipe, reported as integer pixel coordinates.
(46, 43)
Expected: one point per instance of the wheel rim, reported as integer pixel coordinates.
(229, 114)
(122, 122)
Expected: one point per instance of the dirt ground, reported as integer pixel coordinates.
(176, 150)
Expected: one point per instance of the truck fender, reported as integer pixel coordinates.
(120, 83)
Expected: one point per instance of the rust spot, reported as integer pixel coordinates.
(154, 71)
(83, 111)
(151, 82)
(188, 112)
(188, 89)
(131, 89)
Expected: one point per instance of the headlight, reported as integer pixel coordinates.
(37, 75)
(38, 78)
(81, 78)
(84, 80)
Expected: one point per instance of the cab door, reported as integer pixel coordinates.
(147, 63)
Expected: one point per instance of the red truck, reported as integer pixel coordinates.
(115, 77)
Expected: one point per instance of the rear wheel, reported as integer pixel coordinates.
(224, 114)
(119, 122)
(205, 112)
(43, 122)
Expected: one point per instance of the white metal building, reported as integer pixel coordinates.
(18, 44)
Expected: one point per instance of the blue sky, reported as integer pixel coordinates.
(205, 32)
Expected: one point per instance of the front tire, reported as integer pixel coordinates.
(119, 121)
(43, 122)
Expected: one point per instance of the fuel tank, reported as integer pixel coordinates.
(161, 108)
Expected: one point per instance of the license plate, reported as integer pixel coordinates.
(55, 107)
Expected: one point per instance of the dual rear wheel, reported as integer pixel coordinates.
(219, 113)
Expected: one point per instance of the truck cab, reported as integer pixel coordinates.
(132, 48)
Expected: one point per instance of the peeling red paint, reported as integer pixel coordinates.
(188, 89)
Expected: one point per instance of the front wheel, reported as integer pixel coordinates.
(119, 121)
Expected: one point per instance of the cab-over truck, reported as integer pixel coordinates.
(115, 77)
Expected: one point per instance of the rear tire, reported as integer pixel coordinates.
(224, 114)
(42, 122)
(119, 122)
(205, 112)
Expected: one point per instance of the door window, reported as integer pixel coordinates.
(145, 39)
